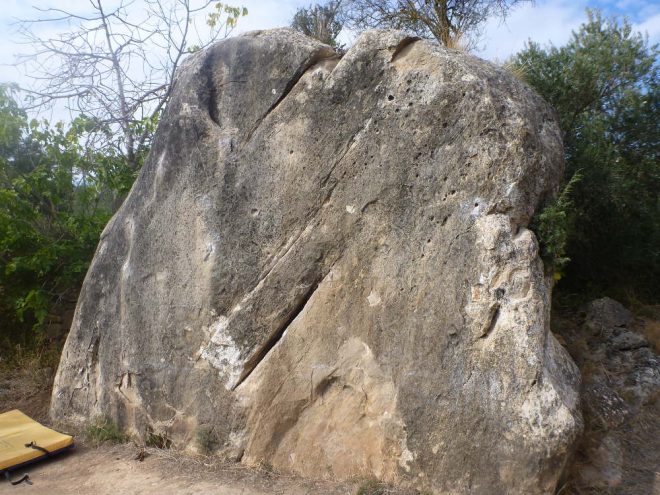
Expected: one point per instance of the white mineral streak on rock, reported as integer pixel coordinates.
(406, 456)
(373, 298)
(222, 353)
(536, 407)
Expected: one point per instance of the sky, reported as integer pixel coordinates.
(543, 21)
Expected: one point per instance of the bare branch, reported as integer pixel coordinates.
(449, 21)
(118, 66)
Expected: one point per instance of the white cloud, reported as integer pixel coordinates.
(267, 14)
(651, 26)
(545, 21)
(263, 14)
(550, 21)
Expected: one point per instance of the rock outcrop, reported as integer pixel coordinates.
(619, 452)
(325, 262)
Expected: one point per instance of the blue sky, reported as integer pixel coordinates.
(543, 21)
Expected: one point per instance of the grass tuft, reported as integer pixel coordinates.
(157, 440)
(206, 440)
(104, 429)
(371, 487)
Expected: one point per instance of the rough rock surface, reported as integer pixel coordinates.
(619, 452)
(325, 262)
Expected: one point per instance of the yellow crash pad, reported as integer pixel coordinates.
(17, 430)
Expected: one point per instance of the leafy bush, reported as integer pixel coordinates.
(206, 440)
(56, 194)
(552, 225)
(604, 86)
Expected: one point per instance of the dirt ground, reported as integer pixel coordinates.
(114, 470)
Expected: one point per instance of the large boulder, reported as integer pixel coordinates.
(325, 262)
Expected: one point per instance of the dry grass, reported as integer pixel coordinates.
(651, 329)
(26, 382)
(371, 486)
(517, 71)
(261, 476)
(457, 43)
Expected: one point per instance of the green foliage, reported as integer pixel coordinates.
(105, 430)
(56, 195)
(552, 225)
(59, 185)
(206, 440)
(371, 487)
(225, 15)
(454, 23)
(320, 22)
(604, 86)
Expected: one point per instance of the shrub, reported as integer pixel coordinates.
(604, 85)
(371, 487)
(206, 440)
(104, 429)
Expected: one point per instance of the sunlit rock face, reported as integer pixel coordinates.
(326, 262)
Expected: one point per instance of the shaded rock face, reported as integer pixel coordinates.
(619, 452)
(325, 261)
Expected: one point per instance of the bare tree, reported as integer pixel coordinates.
(449, 21)
(320, 22)
(117, 66)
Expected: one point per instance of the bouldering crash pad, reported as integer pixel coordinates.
(23, 441)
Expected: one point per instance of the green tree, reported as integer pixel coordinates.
(604, 86)
(451, 22)
(320, 22)
(60, 184)
(56, 195)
